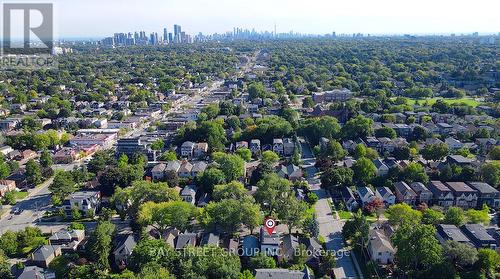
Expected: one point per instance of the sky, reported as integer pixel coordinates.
(101, 18)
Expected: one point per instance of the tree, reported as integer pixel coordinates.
(209, 178)
(364, 170)
(337, 176)
(177, 214)
(460, 254)
(415, 172)
(232, 166)
(311, 226)
(385, 132)
(261, 260)
(432, 217)
(435, 152)
(478, 216)
(229, 215)
(45, 159)
(168, 156)
(100, 244)
(417, 247)
(454, 216)
(290, 210)
(307, 102)
(62, 186)
(490, 173)
(356, 229)
(244, 153)
(335, 151)
(402, 213)
(256, 90)
(488, 260)
(374, 206)
(9, 244)
(158, 144)
(151, 271)
(4, 168)
(358, 127)
(270, 157)
(494, 153)
(33, 172)
(152, 251)
(318, 127)
(271, 190)
(232, 190)
(327, 263)
(208, 262)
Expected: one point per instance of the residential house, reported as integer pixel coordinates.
(44, 255)
(84, 201)
(35, 272)
(65, 155)
(173, 166)
(453, 144)
(187, 149)
(486, 194)
(314, 250)
(289, 244)
(385, 194)
(404, 193)
(349, 199)
(68, 239)
(255, 146)
(210, 239)
(188, 194)
(380, 247)
(184, 240)
(200, 150)
(458, 160)
(382, 169)
(124, 245)
(443, 196)
(198, 167)
(158, 172)
(365, 194)
(7, 186)
(446, 232)
(241, 144)
(479, 236)
(269, 244)
(465, 196)
(278, 146)
(424, 195)
(290, 172)
(185, 169)
(288, 146)
(280, 273)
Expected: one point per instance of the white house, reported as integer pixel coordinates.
(380, 247)
(365, 194)
(385, 194)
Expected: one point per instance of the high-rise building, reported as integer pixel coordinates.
(170, 38)
(165, 35)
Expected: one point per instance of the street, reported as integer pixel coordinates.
(330, 227)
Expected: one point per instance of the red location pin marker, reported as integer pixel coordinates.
(270, 224)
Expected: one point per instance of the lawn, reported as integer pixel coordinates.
(344, 215)
(21, 195)
(468, 101)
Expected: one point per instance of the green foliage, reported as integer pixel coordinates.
(209, 178)
(454, 216)
(208, 262)
(100, 244)
(177, 214)
(232, 166)
(270, 157)
(435, 151)
(229, 215)
(153, 251)
(402, 213)
(232, 190)
(62, 185)
(261, 260)
(168, 156)
(432, 217)
(315, 128)
(358, 127)
(46, 159)
(364, 170)
(33, 172)
(490, 173)
(244, 153)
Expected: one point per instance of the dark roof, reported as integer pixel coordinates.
(125, 241)
(210, 239)
(267, 239)
(279, 273)
(437, 187)
(482, 187)
(418, 187)
(477, 233)
(460, 187)
(184, 240)
(451, 232)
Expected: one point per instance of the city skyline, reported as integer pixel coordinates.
(387, 17)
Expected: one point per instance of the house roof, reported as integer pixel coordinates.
(380, 242)
(31, 272)
(290, 243)
(482, 187)
(188, 190)
(477, 233)
(438, 187)
(185, 239)
(159, 168)
(250, 244)
(460, 187)
(44, 252)
(418, 187)
(125, 242)
(209, 239)
(451, 232)
(363, 191)
(279, 273)
(267, 239)
(404, 189)
(384, 191)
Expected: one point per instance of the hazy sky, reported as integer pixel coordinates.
(99, 18)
